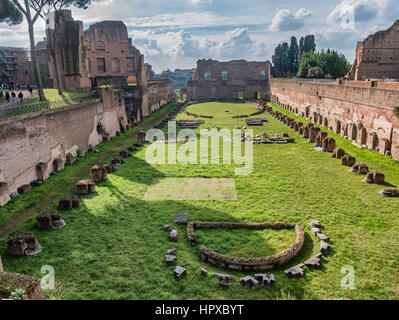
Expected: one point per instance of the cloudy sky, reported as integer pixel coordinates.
(176, 33)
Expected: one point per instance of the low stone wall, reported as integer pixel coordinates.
(36, 144)
(364, 115)
(237, 263)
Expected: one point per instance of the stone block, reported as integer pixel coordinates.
(179, 272)
(295, 272)
(173, 236)
(328, 144)
(338, 153)
(348, 161)
(58, 165)
(314, 262)
(360, 168)
(9, 282)
(70, 159)
(390, 192)
(375, 177)
(96, 174)
(180, 218)
(41, 171)
(324, 247)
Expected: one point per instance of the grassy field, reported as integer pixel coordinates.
(113, 246)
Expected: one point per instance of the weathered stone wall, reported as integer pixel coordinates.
(42, 137)
(160, 93)
(365, 115)
(229, 80)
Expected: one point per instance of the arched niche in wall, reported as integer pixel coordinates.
(116, 65)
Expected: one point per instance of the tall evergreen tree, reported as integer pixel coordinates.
(293, 55)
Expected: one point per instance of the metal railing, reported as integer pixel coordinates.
(18, 109)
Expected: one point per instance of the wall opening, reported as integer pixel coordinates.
(338, 127)
(375, 145)
(116, 65)
(354, 132)
(363, 140)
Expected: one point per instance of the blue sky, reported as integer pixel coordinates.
(176, 33)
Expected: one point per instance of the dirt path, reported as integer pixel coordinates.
(19, 218)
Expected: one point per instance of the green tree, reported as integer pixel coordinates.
(9, 13)
(332, 63)
(293, 55)
(316, 72)
(308, 60)
(32, 10)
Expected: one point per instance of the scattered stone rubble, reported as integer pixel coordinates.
(315, 261)
(225, 279)
(390, 192)
(265, 279)
(173, 236)
(249, 281)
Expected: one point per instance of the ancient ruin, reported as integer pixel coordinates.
(377, 56)
(237, 263)
(236, 79)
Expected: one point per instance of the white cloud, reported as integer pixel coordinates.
(183, 49)
(201, 1)
(286, 20)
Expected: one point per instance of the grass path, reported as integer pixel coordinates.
(113, 246)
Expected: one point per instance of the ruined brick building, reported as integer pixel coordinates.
(15, 66)
(104, 55)
(236, 79)
(70, 53)
(377, 57)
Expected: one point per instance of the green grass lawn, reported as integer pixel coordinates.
(113, 246)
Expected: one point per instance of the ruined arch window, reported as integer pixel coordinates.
(101, 65)
(224, 75)
(326, 122)
(130, 64)
(354, 132)
(363, 138)
(338, 128)
(207, 76)
(263, 75)
(87, 43)
(116, 65)
(89, 64)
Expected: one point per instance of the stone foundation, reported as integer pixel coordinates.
(237, 263)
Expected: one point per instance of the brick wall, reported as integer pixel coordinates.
(42, 137)
(365, 115)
